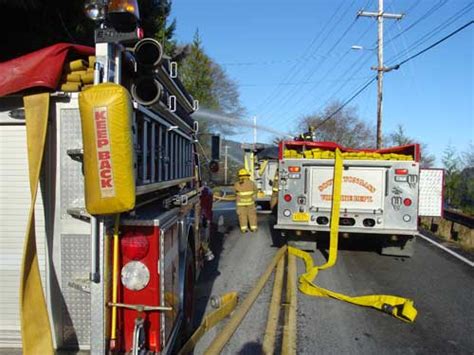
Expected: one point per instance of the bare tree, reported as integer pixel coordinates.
(345, 127)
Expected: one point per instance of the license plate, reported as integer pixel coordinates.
(301, 217)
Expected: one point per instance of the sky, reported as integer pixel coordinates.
(290, 58)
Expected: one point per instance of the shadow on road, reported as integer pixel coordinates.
(356, 242)
(211, 270)
(252, 348)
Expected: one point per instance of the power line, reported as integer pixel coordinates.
(426, 15)
(360, 91)
(404, 53)
(302, 97)
(289, 74)
(292, 94)
(331, 29)
(275, 62)
(346, 81)
(433, 32)
(302, 82)
(397, 66)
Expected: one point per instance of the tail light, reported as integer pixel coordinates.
(135, 247)
(294, 169)
(407, 202)
(139, 285)
(287, 197)
(401, 171)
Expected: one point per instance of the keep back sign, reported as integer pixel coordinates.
(104, 161)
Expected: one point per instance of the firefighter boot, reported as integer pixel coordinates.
(252, 218)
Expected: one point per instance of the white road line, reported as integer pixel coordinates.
(453, 253)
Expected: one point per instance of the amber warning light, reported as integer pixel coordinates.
(294, 169)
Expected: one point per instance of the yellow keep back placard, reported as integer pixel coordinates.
(106, 118)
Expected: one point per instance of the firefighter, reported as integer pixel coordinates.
(246, 192)
(275, 189)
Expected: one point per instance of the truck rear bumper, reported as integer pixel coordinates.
(343, 229)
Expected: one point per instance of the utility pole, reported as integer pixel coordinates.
(380, 15)
(225, 164)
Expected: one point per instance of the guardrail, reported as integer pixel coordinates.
(459, 217)
(454, 226)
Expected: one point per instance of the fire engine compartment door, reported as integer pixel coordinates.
(268, 176)
(363, 188)
(431, 193)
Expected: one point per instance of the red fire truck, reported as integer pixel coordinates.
(118, 272)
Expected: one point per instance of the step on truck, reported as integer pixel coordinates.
(380, 195)
(121, 233)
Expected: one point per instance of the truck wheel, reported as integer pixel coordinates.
(399, 246)
(189, 293)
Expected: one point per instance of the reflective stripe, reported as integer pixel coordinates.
(275, 189)
(242, 204)
(245, 193)
(246, 200)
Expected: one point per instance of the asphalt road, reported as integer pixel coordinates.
(441, 286)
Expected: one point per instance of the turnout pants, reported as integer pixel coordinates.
(247, 217)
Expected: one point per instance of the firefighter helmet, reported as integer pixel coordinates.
(243, 173)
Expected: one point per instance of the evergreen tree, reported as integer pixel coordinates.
(154, 21)
(196, 73)
(30, 25)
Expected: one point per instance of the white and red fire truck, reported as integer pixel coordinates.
(383, 193)
(162, 238)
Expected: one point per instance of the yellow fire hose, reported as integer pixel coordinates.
(274, 311)
(222, 196)
(289, 330)
(227, 304)
(35, 326)
(223, 337)
(398, 307)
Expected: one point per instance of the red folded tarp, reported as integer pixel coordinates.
(42, 68)
(410, 149)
